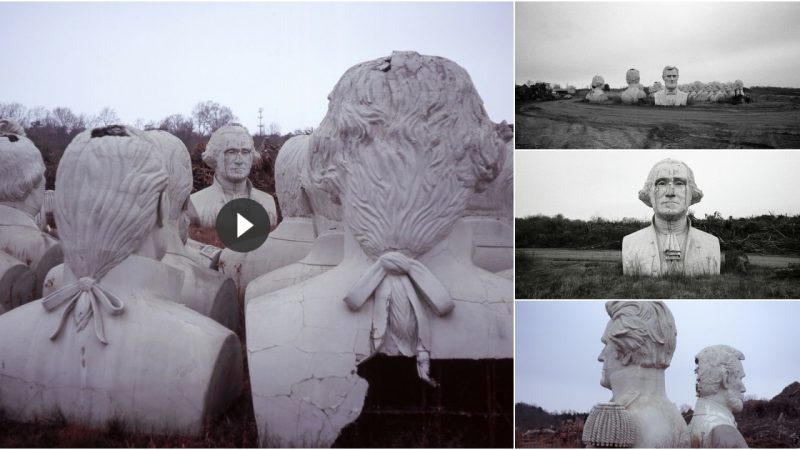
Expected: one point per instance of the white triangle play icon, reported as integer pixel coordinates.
(242, 225)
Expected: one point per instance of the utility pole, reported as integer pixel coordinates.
(260, 122)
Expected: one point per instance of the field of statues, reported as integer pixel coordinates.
(395, 239)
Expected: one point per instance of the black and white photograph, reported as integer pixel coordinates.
(660, 224)
(646, 75)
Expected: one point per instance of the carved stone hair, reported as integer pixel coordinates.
(632, 76)
(11, 126)
(107, 195)
(497, 200)
(290, 165)
(222, 139)
(179, 169)
(643, 333)
(667, 68)
(713, 363)
(598, 81)
(406, 140)
(649, 184)
(21, 167)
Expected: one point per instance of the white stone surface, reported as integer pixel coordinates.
(670, 245)
(17, 283)
(671, 95)
(635, 90)
(596, 94)
(407, 284)
(720, 392)
(112, 344)
(639, 342)
(230, 152)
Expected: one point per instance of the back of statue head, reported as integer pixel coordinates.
(178, 165)
(642, 332)
(714, 363)
(11, 126)
(290, 165)
(598, 81)
(21, 168)
(109, 186)
(632, 76)
(407, 141)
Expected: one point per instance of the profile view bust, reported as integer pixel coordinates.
(231, 153)
(596, 94)
(671, 95)
(405, 142)
(670, 245)
(639, 341)
(719, 395)
(112, 344)
(21, 197)
(635, 91)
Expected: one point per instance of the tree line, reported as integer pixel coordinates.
(773, 234)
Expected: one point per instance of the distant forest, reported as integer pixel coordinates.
(52, 130)
(766, 234)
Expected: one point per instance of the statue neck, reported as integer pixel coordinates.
(230, 187)
(172, 239)
(641, 380)
(679, 225)
(24, 206)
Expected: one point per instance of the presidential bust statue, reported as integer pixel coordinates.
(719, 395)
(670, 245)
(671, 96)
(230, 152)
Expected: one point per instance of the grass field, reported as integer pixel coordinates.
(554, 279)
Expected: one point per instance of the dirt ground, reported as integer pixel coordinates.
(565, 254)
(771, 121)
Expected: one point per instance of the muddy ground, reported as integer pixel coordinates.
(772, 120)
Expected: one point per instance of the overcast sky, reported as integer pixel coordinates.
(583, 183)
(570, 42)
(557, 344)
(150, 60)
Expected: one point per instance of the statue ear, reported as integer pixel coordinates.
(162, 210)
(726, 380)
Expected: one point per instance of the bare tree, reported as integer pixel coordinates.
(210, 115)
(105, 117)
(64, 117)
(14, 111)
(177, 124)
(274, 129)
(39, 116)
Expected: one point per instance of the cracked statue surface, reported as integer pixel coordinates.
(670, 245)
(405, 143)
(639, 342)
(113, 344)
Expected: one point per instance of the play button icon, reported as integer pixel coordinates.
(242, 225)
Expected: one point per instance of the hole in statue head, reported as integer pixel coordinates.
(111, 130)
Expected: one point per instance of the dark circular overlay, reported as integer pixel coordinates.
(228, 221)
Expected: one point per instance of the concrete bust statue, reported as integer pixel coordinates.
(719, 395)
(404, 145)
(639, 342)
(22, 194)
(671, 95)
(596, 94)
(112, 344)
(635, 91)
(670, 245)
(231, 153)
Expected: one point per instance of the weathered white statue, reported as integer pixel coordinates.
(671, 95)
(292, 239)
(490, 214)
(597, 95)
(326, 251)
(635, 91)
(231, 153)
(17, 282)
(11, 126)
(21, 198)
(670, 245)
(405, 143)
(112, 344)
(639, 341)
(719, 395)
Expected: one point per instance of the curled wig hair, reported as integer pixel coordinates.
(178, 165)
(406, 140)
(21, 167)
(108, 188)
(220, 141)
(649, 184)
(11, 126)
(643, 333)
(713, 363)
(290, 165)
(497, 199)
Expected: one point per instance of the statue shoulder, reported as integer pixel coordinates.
(727, 436)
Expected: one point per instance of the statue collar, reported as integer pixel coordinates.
(15, 217)
(708, 407)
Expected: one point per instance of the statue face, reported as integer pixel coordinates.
(735, 391)
(610, 359)
(670, 194)
(671, 79)
(234, 162)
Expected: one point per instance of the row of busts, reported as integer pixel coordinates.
(138, 322)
